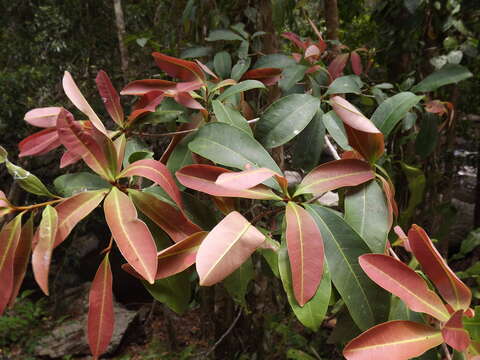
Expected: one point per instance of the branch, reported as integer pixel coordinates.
(331, 149)
(225, 334)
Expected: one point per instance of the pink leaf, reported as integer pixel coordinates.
(178, 68)
(453, 290)
(268, 76)
(393, 340)
(206, 69)
(109, 97)
(43, 117)
(162, 213)
(69, 158)
(226, 248)
(132, 236)
(101, 318)
(402, 281)
(9, 237)
(312, 51)
(39, 143)
(295, 39)
(185, 99)
(157, 172)
(202, 178)
(305, 251)
(247, 179)
(454, 333)
(356, 62)
(334, 175)
(73, 209)
(142, 87)
(335, 69)
(362, 134)
(73, 93)
(148, 103)
(42, 252)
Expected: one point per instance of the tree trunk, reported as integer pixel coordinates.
(332, 21)
(270, 41)
(120, 22)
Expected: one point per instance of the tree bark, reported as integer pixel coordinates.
(332, 21)
(270, 41)
(120, 22)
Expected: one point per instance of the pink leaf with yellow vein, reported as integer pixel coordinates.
(203, 177)
(305, 251)
(101, 318)
(226, 248)
(131, 235)
(42, 252)
(393, 340)
(334, 175)
(39, 143)
(158, 173)
(178, 68)
(453, 290)
(246, 179)
(110, 97)
(402, 281)
(454, 333)
(141, 87)
(43, 117)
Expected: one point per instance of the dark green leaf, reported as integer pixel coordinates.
(228, 115)
(237, 282)
(274, 61)
(392, 110)
(473, 324)
(349, 84)
(335, 128)
(449, 74)
(365, 301)
(291, 75)
(309, 144)
(222, 63)
(196, 52)
(181, 155)
(173, 291)
(427, 138)
(416, 187)
(286, 118)
(221, 34)
(70, 184)
(135, 150)
(240, 68)
(241, 87)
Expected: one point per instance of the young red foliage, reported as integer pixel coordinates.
(454, 333)
(110, 97)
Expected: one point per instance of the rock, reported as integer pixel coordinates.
(70, 337)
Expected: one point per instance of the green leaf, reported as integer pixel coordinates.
(365, 301)
(274, 61)
(309, 144)
(222, 62)
(199, 212)
(285, 118)
(237, 282)
(229, 146)
(449, 74)
(240, 68)
(135, 150)
(168, 111)
(335, 128)
(416, 187)
(295, 354)
(349, 84)
(27, 180)
(399, 311)
(196, 52)
(473, 325)
(173, 291)
(70, 184)
(366, 211)
(240, 87)
(226, 114)
(427, 138)
(469, 243)
(313, 312)
(3, 154)
(226, 35)
(291, 75)
(181, 156)
(392, 110)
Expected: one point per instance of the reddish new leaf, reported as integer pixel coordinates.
(362, 134)
(453, 290)
(206, 69)
(226, 248)
(109, 97)
(295, 39)
(93, 147)
(202, 178)
(337, 65)
(402, 281)
(389, 191)
(247, 179)
(305, 251)
(42, 252)
(72, 210)
(334, 175)
(170, 219)
(312, 51)
(175, 258)
(356, 62)
(148, 103)
(185, 99)
(39, 143)
(131, 234)
(69, 158)
(268, 76)
(393, 340)
(188, 86)
(157, 172)
(73, 93)
(101, 318)
(9, 237)
(21, 258)
(120, 144)
(43, 117)
(454, 333)
(141, 87)
(178, 68)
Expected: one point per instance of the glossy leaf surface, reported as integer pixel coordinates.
(39, 143)
(226, 114)
(305, 251)
(226, 247)
(27, 180)
(131, 234)
(141, 87)
(178, 68)
(394, 340)
(43, 117)
(454, 333)
(110, 97)
(449, 74)
(240, 88)
(402, 281)
(101, 318)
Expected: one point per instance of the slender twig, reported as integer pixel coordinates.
(35, 206)
(265, 213)
(331, 148)
(448, 356)
(225, 334)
